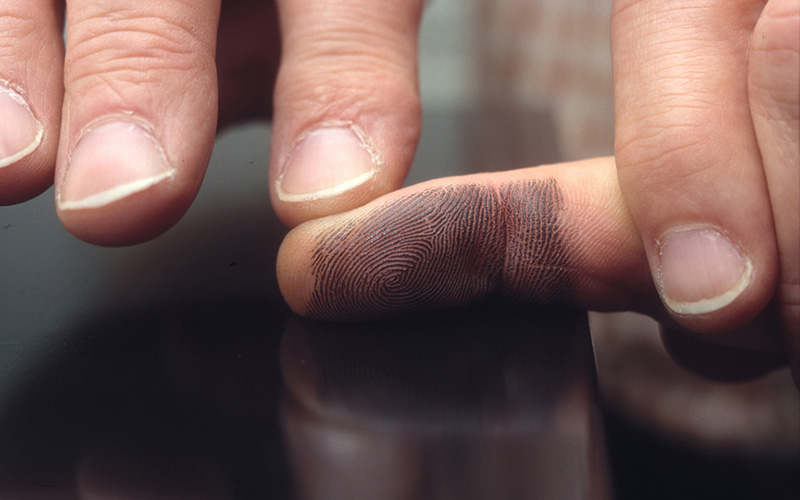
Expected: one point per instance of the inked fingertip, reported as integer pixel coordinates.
(432, 247)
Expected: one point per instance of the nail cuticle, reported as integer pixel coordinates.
(130, 133)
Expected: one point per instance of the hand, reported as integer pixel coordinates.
(707, 99)
(698, 226)
(123, 117)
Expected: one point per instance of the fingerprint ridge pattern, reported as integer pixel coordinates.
(441, 247)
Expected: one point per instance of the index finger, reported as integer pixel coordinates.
(552, 234)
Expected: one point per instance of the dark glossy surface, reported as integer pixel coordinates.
(155, 371)
(241, 400)
(155, 368)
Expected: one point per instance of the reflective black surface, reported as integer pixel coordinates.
(241, 400)
(185, 393)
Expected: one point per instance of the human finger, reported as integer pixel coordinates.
(774, 92)
(139, 115)
(31, 59)
(552, 234)
(688, 160)
(346, 104)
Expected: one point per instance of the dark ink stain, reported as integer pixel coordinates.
(443, 247)
(7, 226)
(536, 261)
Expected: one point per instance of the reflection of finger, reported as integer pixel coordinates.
(31, 58)
(103, 477)
(722, 361)
(689, 164)
(347, 114)
(139, 115)
(555, 234)
(480, 383)
(333, 462)
(774, 89)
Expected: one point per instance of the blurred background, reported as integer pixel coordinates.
(505, 84)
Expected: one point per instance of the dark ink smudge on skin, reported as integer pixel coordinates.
(441, 247)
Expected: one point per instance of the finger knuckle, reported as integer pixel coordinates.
(664, 147)
(129, 49)
(21, 35)
(16, 27)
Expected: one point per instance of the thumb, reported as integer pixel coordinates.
(347, 112)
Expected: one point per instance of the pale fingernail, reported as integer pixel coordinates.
(20, 132)
(327, 162)
(701, 270)
(112, 161)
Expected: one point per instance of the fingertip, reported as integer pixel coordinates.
(27, 152)
(119, 185)
(690, 167)
(135, 219)
(331, 169)
(551, 234)
(27, 155)
(30, 97)
(347, 105)
(140, 113)
(27, 147)
(336, 166)
(295, 280)
(708, 281)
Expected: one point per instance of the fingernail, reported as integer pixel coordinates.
(20, 132)
(111, 161)
(701, 270)
(327, 162)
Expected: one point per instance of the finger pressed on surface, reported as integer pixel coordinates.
(553, 234)
(139, 119)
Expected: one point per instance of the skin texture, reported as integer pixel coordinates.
(530, 236)
(706, 112)
(555, 234)
(693, 81)
(449, 248)
(706, 127)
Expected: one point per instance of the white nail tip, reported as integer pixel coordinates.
(37, 140)
(324, 193)
(714, 303)
(114, 194)
(4, 162)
